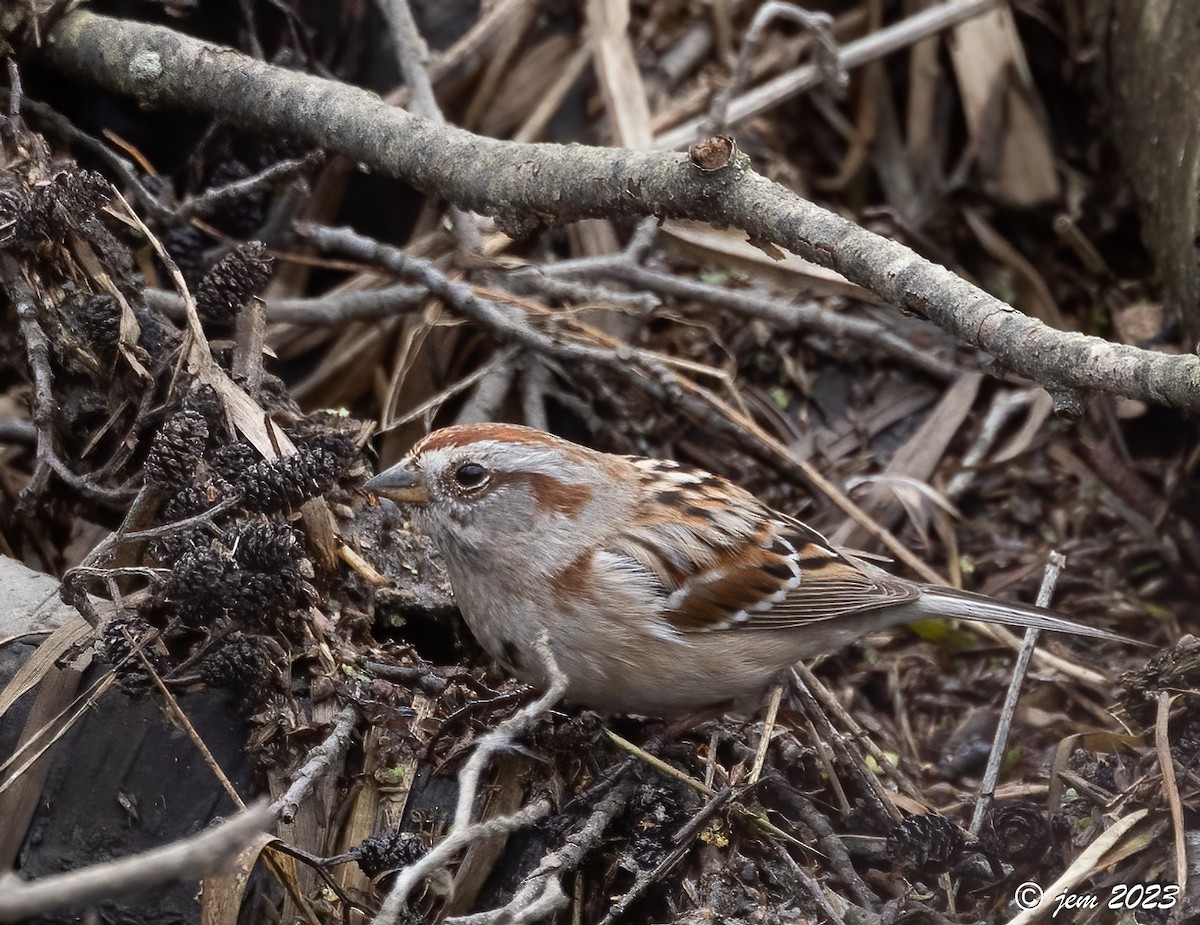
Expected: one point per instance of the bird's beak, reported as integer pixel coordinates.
(402, 483)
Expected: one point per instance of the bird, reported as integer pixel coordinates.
(654, 587)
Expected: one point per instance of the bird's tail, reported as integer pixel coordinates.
(946, 602)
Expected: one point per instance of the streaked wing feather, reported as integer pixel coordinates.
(738, 564)
(837, 589)
(809, 604)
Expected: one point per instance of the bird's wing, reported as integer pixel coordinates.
(722, 559)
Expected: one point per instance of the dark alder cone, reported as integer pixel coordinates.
(202, 582)
(241, 664)
(14, 204)
(279, 485)
(193, 500)
(117, 649)
(233, 459)
(200, 571)
(265, 546)
(1016, 832)
(237, 278)
(167, 550)
(340, 446)
(387, 851)
(1171, 669)
(177, 450)
(926, 845)
(81, 194)
(101, 322)
(29, 217)
(260, 598)
(268, 558)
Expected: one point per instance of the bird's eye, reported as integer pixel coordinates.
(470, 476)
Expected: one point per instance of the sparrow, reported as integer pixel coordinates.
(659, 588)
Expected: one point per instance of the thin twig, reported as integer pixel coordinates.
(215, 197)
(1166, 761)
(321, 311)
(462, 831)
(186, 524)
(682, 844)
(62, 126)
(829, 843)
(534, 279)
(18, 431)
(789, 316)
(540, 896)
(826, 57)
(320, 761)
(17, 93)
(759, 822)
(37, 353)
(825, 697)
(177, 714)
(1003, 407)
(658, 764)
(487, 398)
(40, 742)
(413, 57)
(768, 728)
(535, 384)
(821, 893)
(991, 774)
(409, 877)
(854, 54)
(502, 359)
(423, 677)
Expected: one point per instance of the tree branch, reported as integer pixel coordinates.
(182, 860)
(525, 186)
